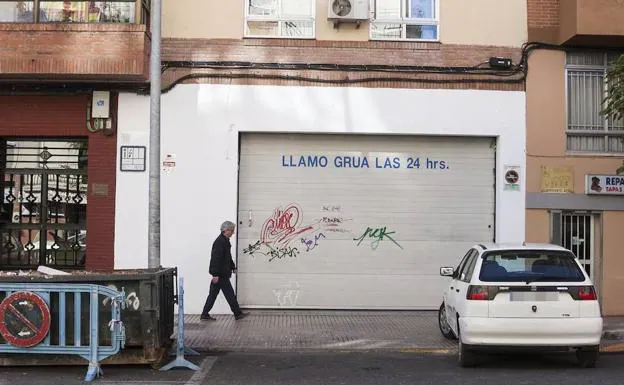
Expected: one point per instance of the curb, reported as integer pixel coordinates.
(613, 335)
(279, 350)
(605, 347)
(428, 351)
(612, 348)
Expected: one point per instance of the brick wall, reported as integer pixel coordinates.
(543, 13)
(341, 52)
(84, 51)
(64, 116)
(543, 20)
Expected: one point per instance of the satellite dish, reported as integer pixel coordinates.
(341, 7)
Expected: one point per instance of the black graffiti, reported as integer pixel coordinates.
(330, 208)
(281, 253)
(251, 249)
(331, 220)
(260, 248)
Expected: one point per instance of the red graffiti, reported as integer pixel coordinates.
(283, 225)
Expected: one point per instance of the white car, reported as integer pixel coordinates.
(529, 296)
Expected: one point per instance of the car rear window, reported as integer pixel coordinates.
(530, 266)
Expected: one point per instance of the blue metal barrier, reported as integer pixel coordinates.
(25, 321)
(180, 361)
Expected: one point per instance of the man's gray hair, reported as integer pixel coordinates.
(227, 225)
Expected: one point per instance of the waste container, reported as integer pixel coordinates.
(148, 317)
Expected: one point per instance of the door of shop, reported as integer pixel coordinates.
(575, 232)
(43, 213)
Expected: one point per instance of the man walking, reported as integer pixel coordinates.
(221, 268)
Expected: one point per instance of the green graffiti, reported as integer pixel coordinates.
(376, 236)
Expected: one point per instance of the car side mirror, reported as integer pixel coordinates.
(447, 271)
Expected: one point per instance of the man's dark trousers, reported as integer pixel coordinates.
(228, 291)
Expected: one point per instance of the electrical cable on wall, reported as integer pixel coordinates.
(515, 74)
(507, 76)
(333, 81)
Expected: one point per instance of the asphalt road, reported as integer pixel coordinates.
(339, 368)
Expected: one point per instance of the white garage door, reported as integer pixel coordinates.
(358, 222)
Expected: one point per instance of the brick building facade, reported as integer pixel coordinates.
(59, 160)
(569, 142)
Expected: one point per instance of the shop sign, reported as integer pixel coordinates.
(557, 179)
(604, 184)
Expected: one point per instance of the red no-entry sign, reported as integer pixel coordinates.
(24, 319)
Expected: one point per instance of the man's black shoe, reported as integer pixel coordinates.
(207, 318)
(240, 316)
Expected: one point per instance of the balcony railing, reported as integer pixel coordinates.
(82, 11)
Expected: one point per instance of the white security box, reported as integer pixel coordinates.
(100, 107)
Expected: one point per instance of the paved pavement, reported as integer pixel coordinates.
(614, 328)
(277, 330)
(317, 330)
(340, 368)
(336, 347)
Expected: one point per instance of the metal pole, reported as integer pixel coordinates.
(154, 150)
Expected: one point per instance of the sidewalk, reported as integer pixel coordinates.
(613, 335)
(277, 330)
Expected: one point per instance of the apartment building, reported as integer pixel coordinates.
(358, 145)
(62, 65)
(574, 197)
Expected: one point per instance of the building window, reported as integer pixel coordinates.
(293, 19)
(54, 11)
(588, 130)
(405, 20)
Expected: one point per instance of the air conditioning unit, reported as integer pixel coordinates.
(349, 10)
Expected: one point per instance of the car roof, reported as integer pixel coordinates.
(520, 246)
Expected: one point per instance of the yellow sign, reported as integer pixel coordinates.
(557, 179)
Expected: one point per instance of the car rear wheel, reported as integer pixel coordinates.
(587, 357)
(443, 324)
(466, 357)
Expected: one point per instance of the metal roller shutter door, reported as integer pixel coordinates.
(358, 222)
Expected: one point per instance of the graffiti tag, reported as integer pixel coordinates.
(132, 299)
(288, 295)
(376, 235)
(283, 226)
(330, 208)
(332, 220)
(251, 249)
(281, 253)
(310, 244)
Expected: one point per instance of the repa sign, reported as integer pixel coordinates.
(604, 184)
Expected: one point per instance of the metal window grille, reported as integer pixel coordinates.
(405, 20)
(576, 233)
(76, 11)
(280, 18)
(587, 129)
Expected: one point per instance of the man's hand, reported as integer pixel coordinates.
(215, 280)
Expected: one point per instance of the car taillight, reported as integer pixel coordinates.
(586, 293)
(478, 293)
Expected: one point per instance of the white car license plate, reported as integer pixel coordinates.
(534, 296)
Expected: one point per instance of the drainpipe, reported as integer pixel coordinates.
(154, 150)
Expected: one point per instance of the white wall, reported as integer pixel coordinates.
(201, 123)
(131, 203)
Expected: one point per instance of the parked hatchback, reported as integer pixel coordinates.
(533, 297)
